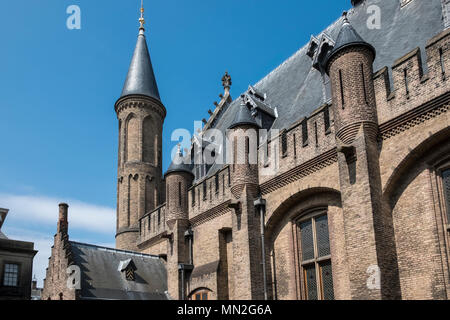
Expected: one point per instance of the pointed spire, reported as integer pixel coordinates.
(141, 78)
(348, 37)
(243, 117)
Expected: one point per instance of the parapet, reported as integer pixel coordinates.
(410, 86)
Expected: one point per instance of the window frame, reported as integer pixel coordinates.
(19, 268)
(201, 293)
(317, 261)
(443, 200)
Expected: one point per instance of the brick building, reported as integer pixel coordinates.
(338, 179)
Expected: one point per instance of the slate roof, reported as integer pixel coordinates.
(101, 279)
(243, 117)
(295, 88)
(2, 235)
(179, 163)
(141, 78)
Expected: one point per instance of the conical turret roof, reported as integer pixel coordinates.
(178, 163)
(347, 37)
(243, 117)
(141, 78)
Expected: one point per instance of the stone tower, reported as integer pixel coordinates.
(368, 232)
(141, 116)
(179, 179)
(247, 268)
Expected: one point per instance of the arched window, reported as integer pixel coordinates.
(200, 295)
(149, 141)
(132, 139)
(315, 256)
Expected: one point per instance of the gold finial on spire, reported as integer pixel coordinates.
(141, 19)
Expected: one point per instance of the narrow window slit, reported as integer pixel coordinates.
(284, 144)
(316, 135)
(305, 133)
(295, 145)
(342, 89)
(405, 74)
(179, 194)
(441, 59)
(364, 83)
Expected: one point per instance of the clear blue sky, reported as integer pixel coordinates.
(58, 129)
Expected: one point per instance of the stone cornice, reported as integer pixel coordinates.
(137, 101)
(415, 116)
(211, 214)
(303, 170)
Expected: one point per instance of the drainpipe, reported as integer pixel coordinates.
(189, 234)
(181, 270)
(260, 204)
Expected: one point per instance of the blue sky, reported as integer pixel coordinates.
(58, 129)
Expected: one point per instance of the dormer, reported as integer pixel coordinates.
(318, 49)
(128, 269)
(263, 113)
(257, 94)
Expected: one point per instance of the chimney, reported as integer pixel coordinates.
(63, 220)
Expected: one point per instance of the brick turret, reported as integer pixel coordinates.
(368, 232)
(247, 267)
(179, 179)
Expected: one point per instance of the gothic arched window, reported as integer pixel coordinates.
(315, 257)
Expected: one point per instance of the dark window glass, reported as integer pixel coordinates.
(307, 240)
(323, 241)
(310, 282)
(327, 281)
(315, 256)
(446, 183)
(11, 275)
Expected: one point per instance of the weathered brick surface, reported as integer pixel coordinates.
(55, 282)
(139, 186)
(385, 206)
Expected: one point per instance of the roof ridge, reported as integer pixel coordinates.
(114, 250)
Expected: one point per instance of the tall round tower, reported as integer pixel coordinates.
(141, 116)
